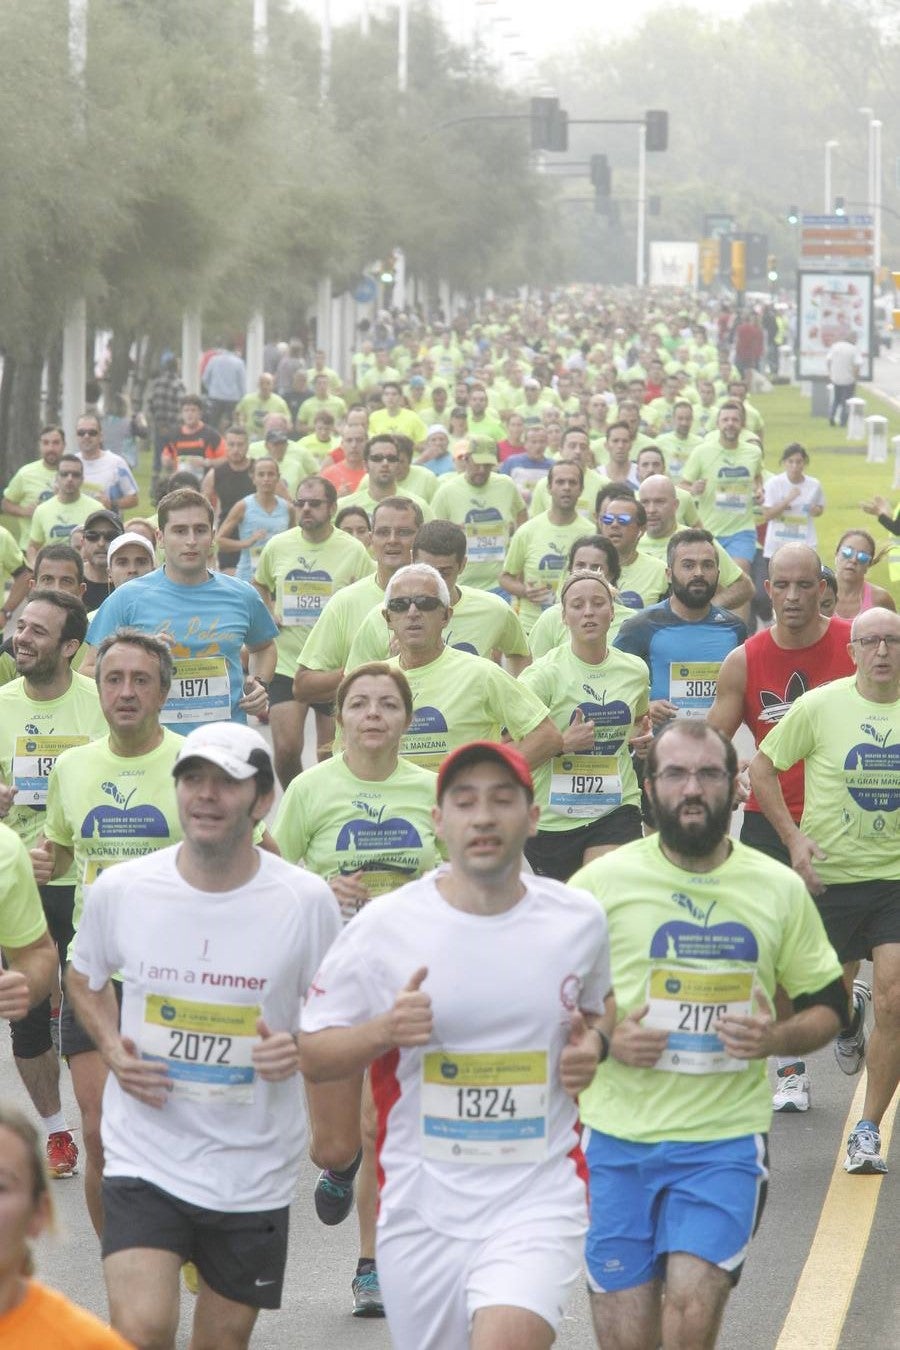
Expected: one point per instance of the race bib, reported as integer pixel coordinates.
(687, 1003)
(207, 1047)
(302, 601)
(484, 1108)
(33, 762)
(692, 686)
(486, 541)
(789, 528)
(732, 494)
(584, 785)
(201, 692)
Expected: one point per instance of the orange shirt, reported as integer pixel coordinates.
(46, 1318)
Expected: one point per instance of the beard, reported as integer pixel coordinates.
(700, 837)
(691, 596)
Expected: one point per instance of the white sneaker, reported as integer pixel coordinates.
(850, 1051)
(864, 1150)
(792, 1091)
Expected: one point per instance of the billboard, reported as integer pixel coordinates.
(675, 263)
(830, 306)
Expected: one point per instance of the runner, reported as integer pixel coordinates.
(216, 942)
(481, 1217)
(455, 701)
(389, 842)
(597, 698)
(678, 1116)
(758, 682)
(845, 847)
(205, 617)
(47, 709)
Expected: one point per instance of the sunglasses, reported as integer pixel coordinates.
(621, 518)
(87, 431)
(384, 459)
(70, 473)
(859, 554)
(311, 501)
(94, 536)
(402, 604)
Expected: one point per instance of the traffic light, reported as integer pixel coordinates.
(387, 269)
(709, 260)
(739, 265)
(600, 175)
(839, 207)
(793, 215)
(549, 125)
(656, 122)
(772, 267)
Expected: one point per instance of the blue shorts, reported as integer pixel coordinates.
(741, 545)
(647, 1200)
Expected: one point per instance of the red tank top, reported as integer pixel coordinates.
(776, 677)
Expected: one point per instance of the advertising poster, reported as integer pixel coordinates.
(831, 306)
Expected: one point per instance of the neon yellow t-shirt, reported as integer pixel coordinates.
(29, 485)
(726, 504)
(481, 624)
(253, 410)
(53, 521)
(404, 422)
(488, 515)
(537, 553)
(676, 450)
(850, 748)
(33, 734)
(549, 630)
(643, 581)
(455, 701)
(12, 559)
(368, 503)
(108, 808)
(584, 785)
(22, 918)
(328, 645)
(729, 572)
(302, 577)
(338, 824)
(419, 483)
(692, 944)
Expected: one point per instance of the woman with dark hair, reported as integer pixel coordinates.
(590, 553)
(853, 557)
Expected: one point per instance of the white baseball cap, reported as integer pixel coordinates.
(238, 750)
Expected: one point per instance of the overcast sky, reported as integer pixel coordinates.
(537, 27)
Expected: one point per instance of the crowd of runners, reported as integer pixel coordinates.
(369, 792)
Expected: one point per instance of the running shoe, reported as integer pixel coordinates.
(62, 1154)
(792, 1089)
(334, 1193)
(864, 1150)
(367, 1295)
(850, 1050)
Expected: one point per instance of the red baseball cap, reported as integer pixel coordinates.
(475, 752)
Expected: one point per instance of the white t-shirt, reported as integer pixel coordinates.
(796, 525)
(198, 969)
(477, 1124)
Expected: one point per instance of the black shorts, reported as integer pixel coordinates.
(73, 1039)
(559, 853)
(756, 832)
(860, 915)
(281, 690)
(241, 1256)
(31, 1035)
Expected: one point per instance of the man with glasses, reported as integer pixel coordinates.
(395, 523)
(457, 696)
(678, 1114)
(107, 477)
(622, 520)
(298, 573)
(845, 847)
(384, 465)
(54, 520)
(100, 529)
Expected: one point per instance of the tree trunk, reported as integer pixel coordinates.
(23, 424)
(53, 405)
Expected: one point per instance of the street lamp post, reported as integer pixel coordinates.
(829, 199)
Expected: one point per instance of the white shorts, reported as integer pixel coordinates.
(433, 1285)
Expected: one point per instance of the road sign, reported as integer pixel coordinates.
(837, 241)
(365, 290)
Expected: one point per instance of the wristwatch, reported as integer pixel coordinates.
(604, 1044)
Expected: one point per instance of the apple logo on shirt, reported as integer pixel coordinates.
(123, 821)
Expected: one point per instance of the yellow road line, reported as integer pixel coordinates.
(819, 1306)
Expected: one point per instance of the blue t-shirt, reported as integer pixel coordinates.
(205, 626)
(682, 657)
